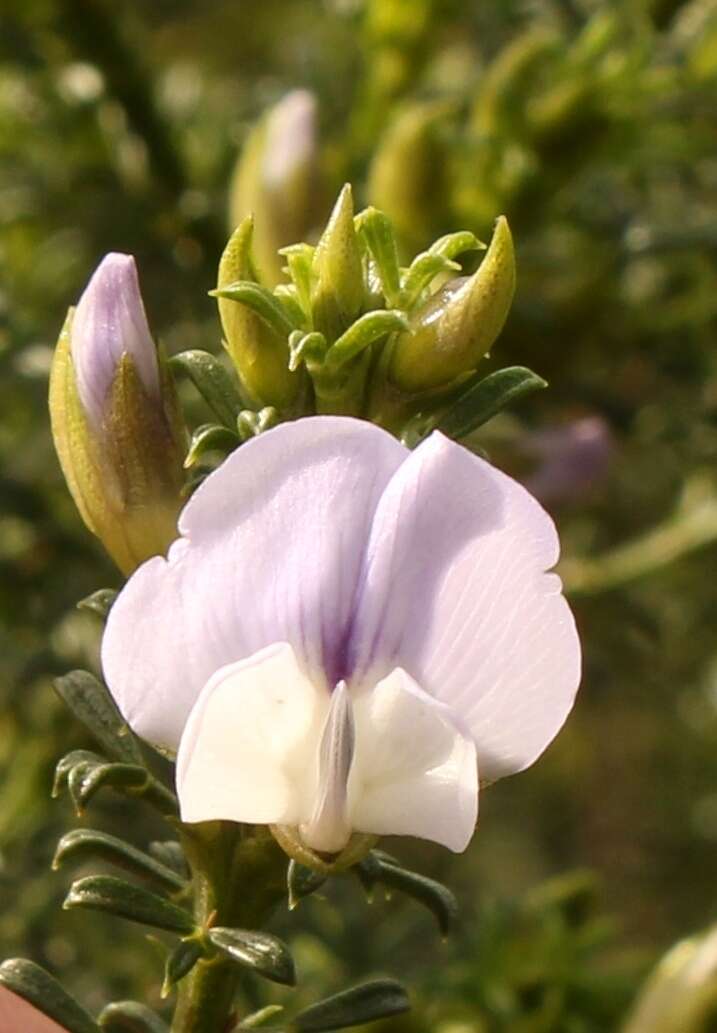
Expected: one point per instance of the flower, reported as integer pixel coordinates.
(348, 636)
(115, 418)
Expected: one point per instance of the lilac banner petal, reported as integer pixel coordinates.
(455, 591)
(271, 552)
(18, 1016)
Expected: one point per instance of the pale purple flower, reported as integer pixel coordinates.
(348, 636)
(110, 321)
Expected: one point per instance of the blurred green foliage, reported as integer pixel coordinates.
(591, 125)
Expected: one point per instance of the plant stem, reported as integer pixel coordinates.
(239, 874)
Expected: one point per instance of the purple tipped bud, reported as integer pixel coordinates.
(290, 138)
(110, 322)
(116, 421)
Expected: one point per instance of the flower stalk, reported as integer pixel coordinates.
(238, 876)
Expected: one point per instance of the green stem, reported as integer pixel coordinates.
(689, 529)
(239, 874)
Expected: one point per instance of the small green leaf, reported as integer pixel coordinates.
(288, 296)
(81, 844)
(484, 399)
(299, 258)
(261, 1017)
(90, 702)
(454, 244)
(301, 882)
(251, 423)
(424, 268)
(307, 348)
(362, 333)
(100, 602)
(42, 991)
(180, 963)
(213, 381)
(85, 773)
(260, 300)
(368, 872)
(436, 897)
(375, 1000)
(376, 229)
(131, 1017)
(106, 893)
(85, 780)
(262, 953)
(210, 437)
(66, 764)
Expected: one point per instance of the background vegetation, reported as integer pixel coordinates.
(591, 125)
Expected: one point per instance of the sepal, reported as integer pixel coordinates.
(92, 705)
(213, 382)
(180, 963)
(79, 845)
(376, 231)
(302, 882)
(136, 904)
(251, 423)
(209, 438)
(84, 773)
(378, 999)
(130, 1017)
(483, 399)
(292, 844)
(379, 868)
(261, 953)
(438, 259)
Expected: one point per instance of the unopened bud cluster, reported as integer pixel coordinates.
(354, 332)
(349, 331)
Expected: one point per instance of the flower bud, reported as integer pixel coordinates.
(680, 996)
(115, 418)
(259, 353)
(277, 180)
(457, 326)
(407, 176)
(338, 292)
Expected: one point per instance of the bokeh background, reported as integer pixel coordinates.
(593, 126)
